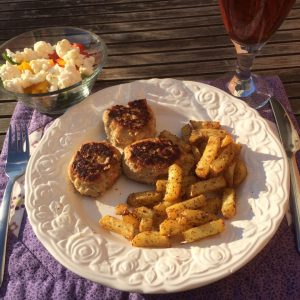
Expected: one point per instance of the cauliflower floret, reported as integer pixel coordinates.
(87, 66)
(38, 65)
(14, 85)
(53, 86)
(9, 71)
(43, 49)
(35, 67)
(69, 76)
(11, 54)
(62, 47)
(56, 70)
(27, 55)
(30, 79)
(73, 57)
(52, 78)
(16, 57)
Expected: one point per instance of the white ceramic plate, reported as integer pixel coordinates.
(67, 223)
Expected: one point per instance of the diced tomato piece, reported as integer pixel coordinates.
(80, 46)
(53, 56)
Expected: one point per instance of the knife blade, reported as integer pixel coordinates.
(291, 143)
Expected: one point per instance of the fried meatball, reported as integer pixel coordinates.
(94, 168)
(127, 124)
(149, 159)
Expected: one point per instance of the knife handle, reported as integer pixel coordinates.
(295, 197)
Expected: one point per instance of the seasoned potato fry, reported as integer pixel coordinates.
(228, 139)
(151, 239)
(122, 209)
(186, 132)
(174, 210)
(228, 203)
(160, 208)
(146, 224)
(240, 173)
(223, 160)
(160, 185)
(198, 134)
(237, 148)
(203, 231)
(171, 227)
(196, 152)
(205, 124)
(213, 205)
(118, 226)
(131, 219)
(143, 212)
(195, 217)
(148, 198)
(229, 173)
(174, 184)
(208, 185)
(186, 181)
(188, 204)
(175, 139)
(209, 154)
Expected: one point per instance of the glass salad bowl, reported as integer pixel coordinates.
(56, 101)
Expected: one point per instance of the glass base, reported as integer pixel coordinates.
(254, 90)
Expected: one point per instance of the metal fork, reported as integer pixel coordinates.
(17, 158)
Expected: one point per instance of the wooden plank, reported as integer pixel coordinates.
(286, 75)
(196, 55)
(2, 137)
(154, 32)
(132, 26)
(4, 124)
(211, 42)
(201, 24)
(7, 109)
(295, 104)
(147, 43)
(101, 17)
(109, 7)
(92, 15)
(190, 68)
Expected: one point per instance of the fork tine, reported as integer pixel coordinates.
(16, 137)
(27, 149)
(10, 141)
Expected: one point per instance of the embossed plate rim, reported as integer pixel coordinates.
(153, 259)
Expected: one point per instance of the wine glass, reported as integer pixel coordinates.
(250, 23)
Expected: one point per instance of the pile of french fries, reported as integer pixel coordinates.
(186, 208)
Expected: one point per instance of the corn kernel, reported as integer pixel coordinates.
(38, 88)
(24, 66)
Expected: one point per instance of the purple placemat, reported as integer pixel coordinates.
(31, 272)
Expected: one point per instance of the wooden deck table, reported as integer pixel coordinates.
(156, 38)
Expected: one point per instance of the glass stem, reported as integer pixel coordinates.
(242, 84)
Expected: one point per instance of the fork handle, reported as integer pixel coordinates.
(4, 217)
(295, 197)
